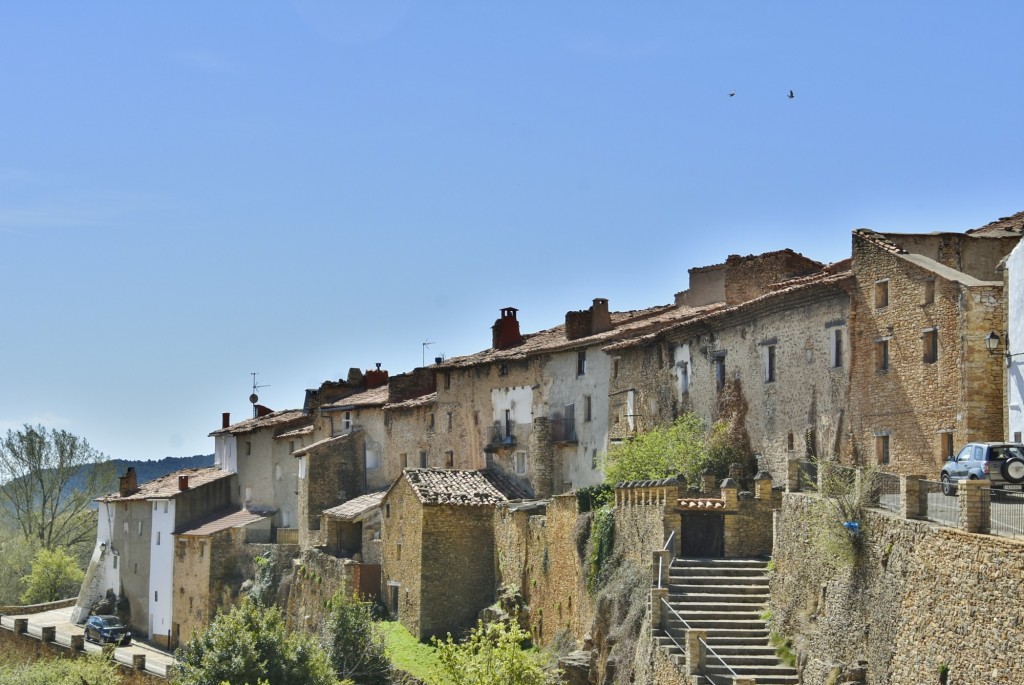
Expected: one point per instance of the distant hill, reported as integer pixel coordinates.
(146, 470)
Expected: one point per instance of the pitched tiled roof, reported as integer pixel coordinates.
(166, 487)
(776, 293)
(221, 521)
(878, 240)
(1007, 224)
(356, 507)
(374, 397)
(420, 401)
(625, 324)
(472, 488)
(305, 430)
(276, 419)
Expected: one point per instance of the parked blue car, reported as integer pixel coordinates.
(107, 629)
(1002, 463)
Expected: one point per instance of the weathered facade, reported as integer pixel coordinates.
(438, 547)
(922, 380)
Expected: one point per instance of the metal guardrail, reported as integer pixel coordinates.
(886, 491)
(936, 506)
(670, 636)
(720, 663)
(1007, 512)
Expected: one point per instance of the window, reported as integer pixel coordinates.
(930, 345)
(882, 355)
(115, 561)
(503, 369)
(449, 459)
(138, 525)
(136, 568)
(769, 363)
(882, 449)
(447, 380)
(615, 368)
(158, 537)
(881, 294)
(403, 460)
(581, 362)
(202, 549)
(946, 445)
(509, 431)
(248, 447)
(719, 372)
(156, 595)
(789, 441)
(520, 464)
(587, 408)
(684, 377)
(836, 348)
(372, 460)
(928, 296)
(346, 422)
(291, 446)
(593, 458)
(449, 422)
(430, 421)
(569, 423)
(398, 552)
(423, 459)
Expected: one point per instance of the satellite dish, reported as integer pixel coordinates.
(254, 398)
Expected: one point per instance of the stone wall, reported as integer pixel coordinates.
(401, 554)
(920, 596)
(335, 473)
(313, 580)
(922, 408)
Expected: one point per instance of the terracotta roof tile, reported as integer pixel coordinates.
(1008, 224)
(305, 430)
(356, 507)
(472, 488)
(277, 419)
(374, 397)
(702, 503)
(221, 521)
(166, 487)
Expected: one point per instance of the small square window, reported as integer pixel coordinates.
(881, 294)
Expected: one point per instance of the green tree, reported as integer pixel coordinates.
(492, 655)
(84, 670)
(55, 575)
(16, 555)
(48, 479)
(354, 646)
(250, 644)
(687, 446)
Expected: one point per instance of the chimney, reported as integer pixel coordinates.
(225, 419)
(505, 331)
(182, 483)
(375, 378)
(600, 320)
(128, 485)
(262, 411)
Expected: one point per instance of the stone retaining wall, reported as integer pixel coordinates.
(919, 596)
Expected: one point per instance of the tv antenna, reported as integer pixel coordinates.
(254, 398)
(426, 344)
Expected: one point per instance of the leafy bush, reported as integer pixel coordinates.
(594, 496)
(687, 446)
(250, 644)
(602, 540)
(355, 648)
(492, 655)
(85, 670)
(55, 575)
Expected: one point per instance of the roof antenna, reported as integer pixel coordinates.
(426, 344)
(254, 398)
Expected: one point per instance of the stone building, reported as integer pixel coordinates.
(438, 547)
(134, 553)
(922, 379)
(535, 406)
(260, 451)
(766, 349)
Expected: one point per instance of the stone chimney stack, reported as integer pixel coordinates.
(225, 419)
(505, 331)
(129, 485)
(591, 321)
(600, 320)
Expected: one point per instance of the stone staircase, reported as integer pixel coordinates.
(725, 598)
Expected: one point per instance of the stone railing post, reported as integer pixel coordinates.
(708, 482)
(662, 560)
(744, 680)
(730, 494)
(49, 634)
(20, 626)
(139, 662)
(792, 476)
(910, 496)
(77, 643)
(658, 617)
(975, 506)
(696, 657)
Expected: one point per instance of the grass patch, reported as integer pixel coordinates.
(409, 654)
(783, 649)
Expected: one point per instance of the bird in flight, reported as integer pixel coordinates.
(791, 95)
(732, 93)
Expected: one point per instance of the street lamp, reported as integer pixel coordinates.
(992, 341)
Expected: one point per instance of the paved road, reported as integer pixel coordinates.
(157, 661)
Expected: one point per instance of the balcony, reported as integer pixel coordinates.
(503, 436)
(562, 429)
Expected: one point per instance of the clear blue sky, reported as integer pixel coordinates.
(193, 191)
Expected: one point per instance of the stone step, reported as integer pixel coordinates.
(721, 598)
(713, 624)
(718, 579)
(706, 589)
(690, 614)
(761, 673)
(688, 562)
(716, 571)
(734, 608)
